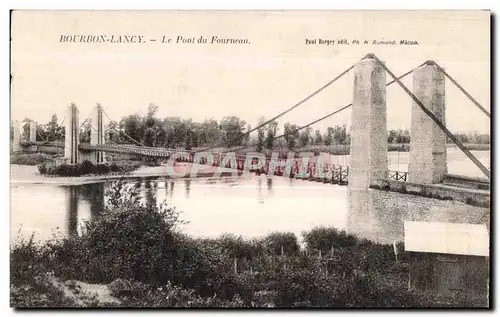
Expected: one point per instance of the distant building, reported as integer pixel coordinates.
(448, 259)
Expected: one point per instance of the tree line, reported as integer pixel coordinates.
(230, 131)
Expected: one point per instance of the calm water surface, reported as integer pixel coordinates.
(250, 206)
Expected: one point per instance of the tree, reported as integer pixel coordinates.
(247, 135)
(260, 135)
(54, 132)
(318, 139)
(392, 136)
(327, 138)
(85, 131)
(339, 134)
(288, 135)
(232, 128)
(25, 128)
(209, 132)
(133, 127)
(272, 127)
(149, 136)
(150, 120)
(304, 136)
(113, 132)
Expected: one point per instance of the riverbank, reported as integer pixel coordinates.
(344, 149)
(31, 159)
(29, 174)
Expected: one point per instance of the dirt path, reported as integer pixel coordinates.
(85, 294)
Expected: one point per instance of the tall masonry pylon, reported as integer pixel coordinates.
(428, 142)
(97, 136)
(32, 131)
(368, 154)
(72, 135)
(16, 137)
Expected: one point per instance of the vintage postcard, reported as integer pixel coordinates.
(249, 159)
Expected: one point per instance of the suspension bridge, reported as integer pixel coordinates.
(368, 162)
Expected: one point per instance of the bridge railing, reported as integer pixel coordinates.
(397, 176)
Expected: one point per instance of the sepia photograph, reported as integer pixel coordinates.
(250, 159)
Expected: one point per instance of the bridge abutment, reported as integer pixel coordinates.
(72, 135)
(368, 154)
(428, 142)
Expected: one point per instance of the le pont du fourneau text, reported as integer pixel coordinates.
(138, 39)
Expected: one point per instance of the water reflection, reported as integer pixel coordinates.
(172, 184)
(187, 184)
(72, 200)
(248, 206)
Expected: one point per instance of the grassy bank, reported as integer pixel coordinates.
(137, 254)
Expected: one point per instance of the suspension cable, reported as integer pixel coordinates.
(291, 108)
(39, 133)
(437, 121)
(324, 117)
(462, 89)
(87, 118)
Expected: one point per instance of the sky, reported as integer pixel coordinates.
(271, 73)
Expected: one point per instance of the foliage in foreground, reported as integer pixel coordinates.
(138, 251)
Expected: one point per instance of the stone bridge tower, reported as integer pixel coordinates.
(428, 142)
(72, 135)
(97, 134)
(368, 154)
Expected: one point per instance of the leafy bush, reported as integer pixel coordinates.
(113, 167)
(129, 240)
(278, 242)
(86, 167)
(66, 170)
(240, 248)
(42, 168)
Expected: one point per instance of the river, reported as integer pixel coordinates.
(250, 205)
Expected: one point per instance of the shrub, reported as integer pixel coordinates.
(86, 167)
(42, 168)
(132, 242)
(282, 241)
(113, 167)
(203, 265)
(326, 238)
(238, 247)
(66, 170)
